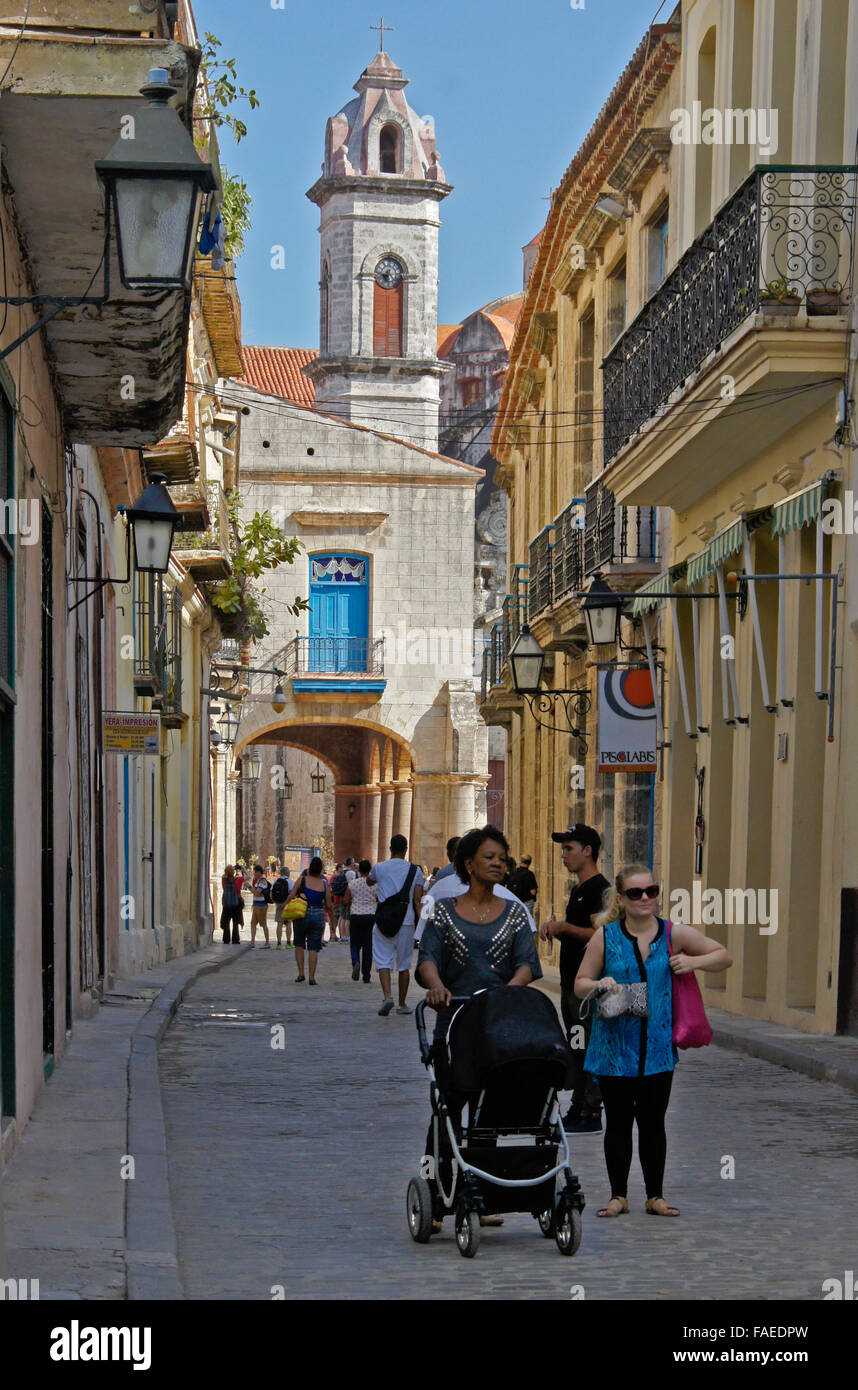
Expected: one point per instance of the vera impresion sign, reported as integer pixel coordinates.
(628, 738)
(130, 733)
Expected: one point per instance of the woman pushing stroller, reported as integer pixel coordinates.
(474, 942)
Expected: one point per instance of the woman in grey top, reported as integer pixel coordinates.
(474, 942)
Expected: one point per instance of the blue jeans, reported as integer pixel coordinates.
(309, 929)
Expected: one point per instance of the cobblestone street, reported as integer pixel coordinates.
(290, 1167)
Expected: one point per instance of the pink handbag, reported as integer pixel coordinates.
(691, 1027)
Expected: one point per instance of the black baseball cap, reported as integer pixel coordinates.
(582, 835)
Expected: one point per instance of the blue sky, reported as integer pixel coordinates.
(514, 88)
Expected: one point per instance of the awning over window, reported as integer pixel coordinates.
(801, 507)
(725, 543)
(650, 594)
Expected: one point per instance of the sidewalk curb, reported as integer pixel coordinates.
(781, 1055)
(151, 1251)
(738, 1038)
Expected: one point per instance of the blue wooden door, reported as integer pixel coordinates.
(339, 613)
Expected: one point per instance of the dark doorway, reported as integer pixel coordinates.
(847, 992)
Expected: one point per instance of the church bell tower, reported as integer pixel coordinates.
(379, 196)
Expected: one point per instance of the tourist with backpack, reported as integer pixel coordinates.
(338, 885)
(280, 890)
(400, 891)
(232, 905)
(261, 890)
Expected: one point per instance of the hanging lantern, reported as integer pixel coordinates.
(317, 778)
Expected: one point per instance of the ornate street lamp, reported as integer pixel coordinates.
(526, 660)
(601, 610)
(318, 779)
(287, 789)
(229, 727)
(153, 519)
(253, 766)
(155, 183)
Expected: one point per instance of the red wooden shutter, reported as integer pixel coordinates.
(387, 322)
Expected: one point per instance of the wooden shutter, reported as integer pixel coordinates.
(387, 322)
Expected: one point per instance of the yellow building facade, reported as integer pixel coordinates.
(727, 405)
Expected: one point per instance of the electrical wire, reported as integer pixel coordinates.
(17, 42)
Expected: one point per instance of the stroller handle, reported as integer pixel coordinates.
(425, 1049)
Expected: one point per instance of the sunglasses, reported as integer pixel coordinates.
(634, 895)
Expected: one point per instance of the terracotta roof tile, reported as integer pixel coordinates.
(277, 371)
(447, 335)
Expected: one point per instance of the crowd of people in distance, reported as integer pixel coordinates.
(474, 923)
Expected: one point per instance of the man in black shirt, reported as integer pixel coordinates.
(580, 851)
(522, 882)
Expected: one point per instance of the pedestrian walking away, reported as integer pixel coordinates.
(362, 902)
(472, 942)
(261, 891)
(309, 929)
(400, 886)
(280, 890)
(522, 882)
(232, 906)
(633, 1053)
(579, 847)
(449, 869)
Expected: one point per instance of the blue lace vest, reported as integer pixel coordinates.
(629, 1046)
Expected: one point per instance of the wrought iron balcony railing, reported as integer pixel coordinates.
(616, 535)
(493, 662)
(206, 553)
(540, 588)
(567, 552)
(335, 656)
(787, 228)
(158, 647)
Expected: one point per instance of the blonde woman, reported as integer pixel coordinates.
(634, 1057)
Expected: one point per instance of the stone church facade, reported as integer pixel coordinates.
(378, 673)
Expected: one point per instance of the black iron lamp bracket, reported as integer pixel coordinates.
(574, 704)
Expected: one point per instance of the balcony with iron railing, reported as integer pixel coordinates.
(205, 552)
(158, 648)
(617, 538)
(782, 246)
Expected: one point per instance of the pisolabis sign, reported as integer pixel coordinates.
(628, 735)
(130, 733)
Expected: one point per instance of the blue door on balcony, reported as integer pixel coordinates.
(339, 613)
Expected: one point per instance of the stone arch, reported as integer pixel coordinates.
(384, 117)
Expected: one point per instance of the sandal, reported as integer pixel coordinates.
(299, 978)
(611, 1210)
(665, 1210)
(491, 1220)
(436, 1228)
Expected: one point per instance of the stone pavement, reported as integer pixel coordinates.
(288, 1168)
(64, 1198)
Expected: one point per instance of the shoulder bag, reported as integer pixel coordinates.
(691, 1027)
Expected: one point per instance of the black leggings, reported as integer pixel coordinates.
(641, 1098)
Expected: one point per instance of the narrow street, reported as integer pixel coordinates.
(290, 1167)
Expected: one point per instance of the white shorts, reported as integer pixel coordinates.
(397, 950)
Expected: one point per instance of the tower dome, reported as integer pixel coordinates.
(379, 133)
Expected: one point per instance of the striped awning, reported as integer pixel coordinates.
(800, 508)
(647, 598)
(721, 546)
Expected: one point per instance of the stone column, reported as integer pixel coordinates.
(372, 816)
(402, 809)
(385, 823)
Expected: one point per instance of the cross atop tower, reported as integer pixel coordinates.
(385, 28)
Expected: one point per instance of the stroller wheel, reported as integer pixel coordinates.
(418, 1207)
(467, 1233)
(568, 1227)
(547, 1223)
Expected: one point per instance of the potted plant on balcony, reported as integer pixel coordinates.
(823, 301)
(780, 297)
(256, 546)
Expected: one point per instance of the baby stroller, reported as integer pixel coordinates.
(508, 1151)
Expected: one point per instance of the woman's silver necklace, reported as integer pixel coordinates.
(483, 916)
